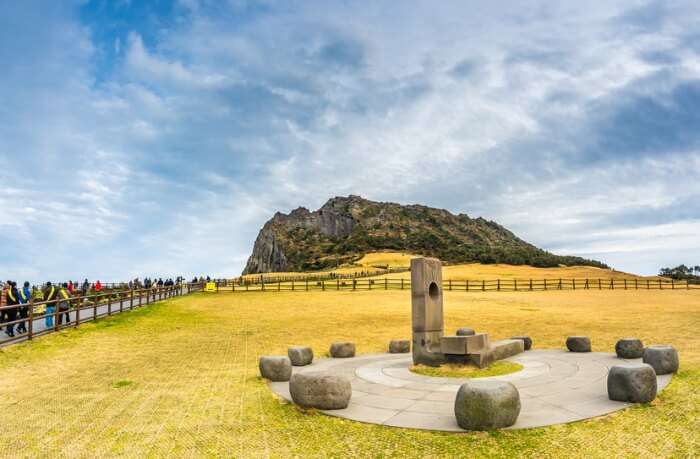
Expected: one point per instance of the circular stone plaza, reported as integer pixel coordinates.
(555, 387)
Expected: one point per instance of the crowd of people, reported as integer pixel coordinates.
(56, 298)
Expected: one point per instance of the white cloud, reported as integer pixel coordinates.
(195, 134)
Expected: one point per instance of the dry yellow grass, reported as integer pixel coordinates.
(470, 271)
(180, 379)
(392, 259)
(452, 370)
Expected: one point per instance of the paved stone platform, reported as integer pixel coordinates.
(555, 387)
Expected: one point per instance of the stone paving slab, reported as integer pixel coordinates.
(555, 387)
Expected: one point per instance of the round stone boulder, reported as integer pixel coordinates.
(275, 368)
(465, 332)
(629, 348)
(300, 355)
(634, 383)
(399, 346)
(487, 405)
(527, 341)
(578, 344)
(342, 350)
(320, 390)
(664, 359)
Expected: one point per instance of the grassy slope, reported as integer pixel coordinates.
(180, 378)
(476, 271)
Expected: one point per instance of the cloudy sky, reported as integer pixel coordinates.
(155, 137)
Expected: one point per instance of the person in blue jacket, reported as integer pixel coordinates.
(25, 296)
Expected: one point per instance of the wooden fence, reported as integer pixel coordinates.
(497, 285)
(251, 279)
(41, 320)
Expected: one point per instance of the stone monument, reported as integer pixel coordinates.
(430, 347)
(426, 311)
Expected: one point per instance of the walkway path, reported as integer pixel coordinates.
(555, 387)
(87, 314)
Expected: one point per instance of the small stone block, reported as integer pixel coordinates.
(578, 344)
(527, 341)
(505, 348)
(629, 348)
(632, 383)
(320, 390)
(663, 359)
(482, 358)
(462, 345)
(487, 405)
(465, 332)
(342, 350)
(275, 368)
(300, 355)
(399, 346)
(455, 345)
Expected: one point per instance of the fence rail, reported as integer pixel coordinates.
(44, 317)
(498, 285)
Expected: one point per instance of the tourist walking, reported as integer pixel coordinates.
(11, 313)
(49, 295)
(25, 297)
(63, 304)
(3, 302)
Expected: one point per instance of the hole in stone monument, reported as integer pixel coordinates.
(433, 291)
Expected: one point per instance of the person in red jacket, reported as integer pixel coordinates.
(70, 287)
(98, 286)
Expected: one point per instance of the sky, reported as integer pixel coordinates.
(156, 138)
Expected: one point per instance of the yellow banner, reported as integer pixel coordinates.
(210, 287)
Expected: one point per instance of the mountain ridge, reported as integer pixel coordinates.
(345, 228)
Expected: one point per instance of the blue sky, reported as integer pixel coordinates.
(141, 138)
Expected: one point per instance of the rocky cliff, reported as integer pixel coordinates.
(346, 228)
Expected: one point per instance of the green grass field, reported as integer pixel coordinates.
(180, 379)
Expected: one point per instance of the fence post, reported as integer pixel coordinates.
(449, 282)
(673, 285)
(94, 310)
(77, 316)
(386, 284)
(306, 284)
(55, 314)
(660, 287)
(545, 285)
(30, 331)
(402, 283)
(600, 287)
(109, 307)
(292, 285)
(636, 284)
(131, 300)
(498, 285)
(121, 303)
(530, 284)
(515, 284)
(483, 285)
(466, 285)
(573, 283)
(560, 283)
(625, 283)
